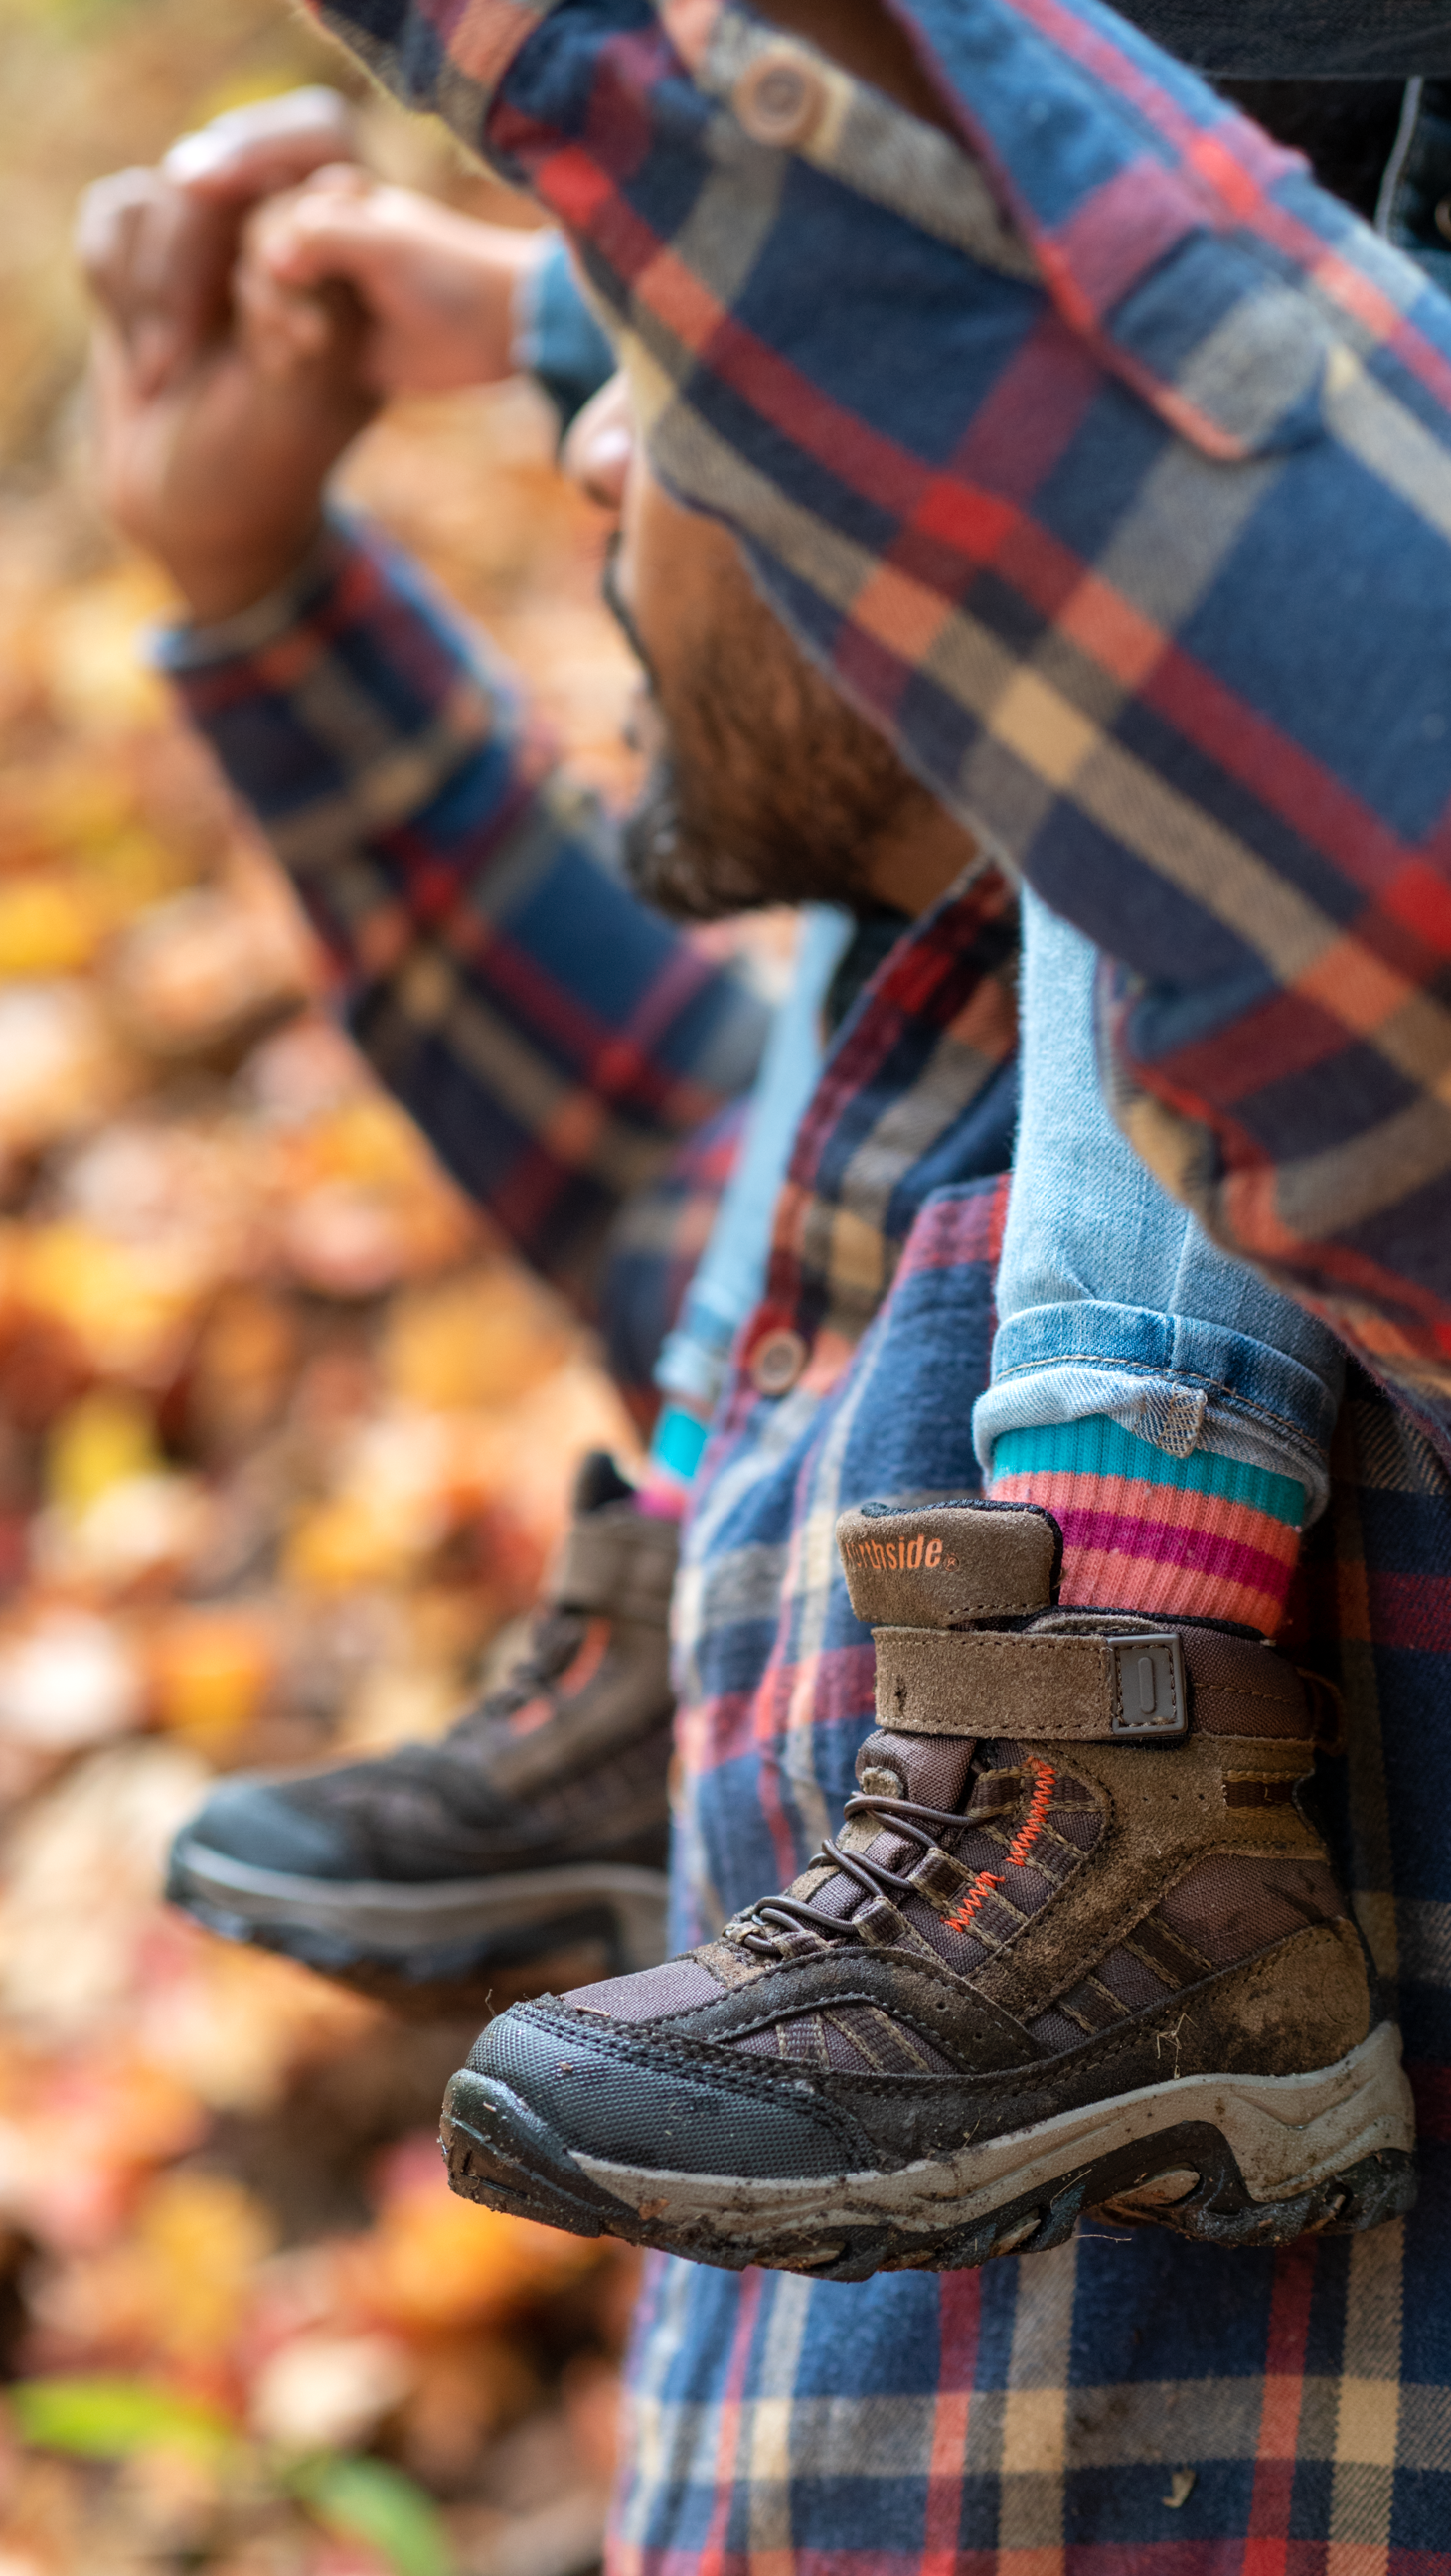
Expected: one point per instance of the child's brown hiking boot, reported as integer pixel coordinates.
(535, 1831)
(1076, 1946)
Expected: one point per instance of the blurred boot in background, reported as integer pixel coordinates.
(534, 1835)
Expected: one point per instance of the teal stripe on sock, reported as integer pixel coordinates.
(678, 1443)
(1098, 1446)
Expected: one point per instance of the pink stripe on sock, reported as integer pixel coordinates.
(1137, 1546)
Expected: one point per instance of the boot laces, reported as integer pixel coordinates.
(554, 1640)
(768, 1925)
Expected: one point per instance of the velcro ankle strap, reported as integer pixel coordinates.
(620, 1564)
(933, 1681)
(1043, 1687)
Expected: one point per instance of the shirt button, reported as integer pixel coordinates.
(777, 1361)
(778, 99)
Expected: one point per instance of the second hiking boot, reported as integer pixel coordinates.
(535, 1830)
(1077, 1946)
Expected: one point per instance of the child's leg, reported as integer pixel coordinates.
(1168, 1407)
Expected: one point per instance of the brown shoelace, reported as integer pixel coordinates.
(917, 1823)
(555, 1641)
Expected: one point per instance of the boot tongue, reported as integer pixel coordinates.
(599, 1482)
(931, 1770)
(934, 1770)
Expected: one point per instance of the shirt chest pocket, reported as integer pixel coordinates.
(1231, 357)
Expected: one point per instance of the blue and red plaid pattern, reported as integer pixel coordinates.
(1107, 462)
(652, 1254)
(1027, 2421)
(561, 1045)
(1039, 2418)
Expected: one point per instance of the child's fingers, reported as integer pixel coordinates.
(280, 332)
(322, 231)
(157, 264)
(252, 152)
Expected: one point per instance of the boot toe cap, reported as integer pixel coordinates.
(668, 2106)
(257, 1823)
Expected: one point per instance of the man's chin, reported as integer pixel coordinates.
(677, 869)
(696, 871)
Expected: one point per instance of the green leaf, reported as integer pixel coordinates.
(369, 2501)
(109, 2419)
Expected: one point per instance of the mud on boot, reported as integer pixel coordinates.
(1076, 1946)
(535, 1832)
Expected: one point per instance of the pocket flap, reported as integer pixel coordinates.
(1231, 356)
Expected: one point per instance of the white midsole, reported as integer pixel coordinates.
(402, 1918)
(1287, 2132)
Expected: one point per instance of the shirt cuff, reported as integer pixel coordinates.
(557, 337)
(191, 647)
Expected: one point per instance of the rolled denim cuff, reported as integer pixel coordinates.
(1177, 1383)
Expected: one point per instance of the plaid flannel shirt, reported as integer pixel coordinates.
(1027, 2420)
(576, 1064)
(1107, 462)
(1049, 490)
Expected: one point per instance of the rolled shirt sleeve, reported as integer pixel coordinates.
(555, 1039)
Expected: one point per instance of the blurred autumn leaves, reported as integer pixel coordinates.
(271, 2365)
(284, 1441)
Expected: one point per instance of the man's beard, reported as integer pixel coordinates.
(773, 790)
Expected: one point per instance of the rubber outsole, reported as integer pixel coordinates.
(443, 1945)
(1233, 2161)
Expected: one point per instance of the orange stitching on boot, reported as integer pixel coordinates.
(588, 1657)
(1018, 1849)
(1027, 1834)
(592, 1650)
(976, 1897)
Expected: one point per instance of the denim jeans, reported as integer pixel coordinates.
(1111, 1298)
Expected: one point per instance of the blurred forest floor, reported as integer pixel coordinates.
(285, 1438)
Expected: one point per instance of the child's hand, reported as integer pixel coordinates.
(435, 291)
(213, 453)
(256, 297)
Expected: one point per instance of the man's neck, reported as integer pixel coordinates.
(914, 866)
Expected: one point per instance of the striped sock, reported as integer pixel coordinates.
(1199, 1537)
